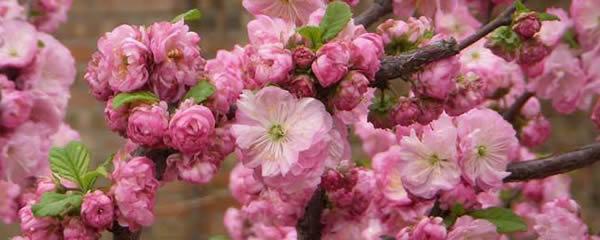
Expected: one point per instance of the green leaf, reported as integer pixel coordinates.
(548, 17)
(506, 38)
(312, 33)
(89, 179)
(191, 15)
(202, 91)
(56, 204)
(125, 98)
(456, 211)
(569, 38)
(218, 237)
(71, 162)
(337, 15)
(520, 7)
(505, 220)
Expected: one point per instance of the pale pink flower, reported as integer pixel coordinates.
(74, 229)
(243, 185)
(38, 228)
(18, 43)
(269, 64)
(9, 201)
(388, 175)
(223, 72)
(234, 223)
(562, 80)
(147, 124)
(64, 135)
(15, 107)
(272, 128)
(458, 23)
(97, 210)
(134, 192)
(586, 22)
(466, 227)
(486, 140)
(374, 140)
(25, 154)
(429, 164)
(272, 207)
(560, 219)
(125, 58)
(190, 127)
(463, 194)
(11, 9)
(332, 63)
(293, 11)
(430, 228)
(269, 30)
(52, 13)
(552, 32)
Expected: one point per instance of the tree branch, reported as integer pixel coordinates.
(505, 18)
(309, 226)
(513, 111)
(378, 9)
(548, 166)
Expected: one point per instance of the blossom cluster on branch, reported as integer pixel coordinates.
(437, 149)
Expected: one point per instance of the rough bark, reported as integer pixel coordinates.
(378, 9)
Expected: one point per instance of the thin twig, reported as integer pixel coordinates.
(513, 111)
(378, 9)
(505, 18)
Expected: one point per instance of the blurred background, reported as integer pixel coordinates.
(186, 211)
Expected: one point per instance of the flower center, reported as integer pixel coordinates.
(276, 132)
(434, 159)
(481, 151)
(175, 54)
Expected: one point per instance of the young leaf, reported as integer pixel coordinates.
(125, 98)
(70, 162)
(337, 15)
(313, 34)
(504, 219)
(191, 15)
(520, 7)
(456, 211)
(202, 91)
(56, 204)
(548, 17)
(570, 39)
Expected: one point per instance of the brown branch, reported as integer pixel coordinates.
(378, 9)
(548, 166)
(123, 233)
(513, 111)
(309, 226)
(505, 18)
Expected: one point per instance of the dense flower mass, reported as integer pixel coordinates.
(438, 143)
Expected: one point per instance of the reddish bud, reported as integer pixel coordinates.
(532, 52)
(527, 25)
(303, 57)
(302, 86)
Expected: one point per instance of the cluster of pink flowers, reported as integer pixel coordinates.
(36, 72)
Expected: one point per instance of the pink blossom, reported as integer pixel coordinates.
(486, 139)
(354, 196)
(535, 132)
(243, 185)
(15, 107)
(223, 72)
(11, 9)
(388, 175)
(19, 43)
(468, 228)
(431, 110)
(560, 219)
(116, 119)
(532, 108)
(469, 93)
(234, 223)
(374, 140)
(302, 86)
(547, 189)
(427, 228)
(463, 194)
(365, 53)
(147, 124)
(293, 11)
(74, 229)
(406, 8)
(437, 80)
(38, 228)
(97, 210)
(190, 127)
(429, 164)
(406, 111)
(9, 205)
(97, 79)
(303, 57)
(399, 36)
(64, 135)
(125, 58)
(458, 23)
(134, 192)
(25, 154)
(269, 30)
(585, 18)
(332, 63)
(270, 116)
(350, 91)
(269, 64)
(274, 208)
(552, 32)
(196, 168)
(52, 13)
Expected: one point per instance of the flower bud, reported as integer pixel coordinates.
(303, 57)
(527, 25)
(147, 124)
(532, 52)
(332, 180)
(350, 91)
(190, 128)
(332, 63)
(97, 210)
(302, 86)
(406, 111)
(15, 108)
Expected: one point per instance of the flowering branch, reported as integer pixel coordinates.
(513, 111)
(378, 9)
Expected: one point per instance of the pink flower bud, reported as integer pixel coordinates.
(148, 124)
(535, 132)
(527, 25)
(74, 229)
(116, 119)
(97, 210)
(406, 111)
(302, 86)
(190, 128)
(351, 91)
(270, 64)
(331, 63)
(303, 57)
(366, 51)
(532, 108)
(532, 52)
(15, 107)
